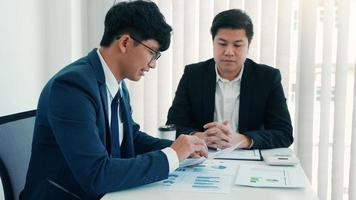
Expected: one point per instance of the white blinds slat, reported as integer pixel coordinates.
(136, 99)
(352, 176)
(150, 102)
(283, 58)
(191, 32)
(240, 4)
(305, 84)
(164, 70)
(205, 20)
(76, 26)
(325, 99)
(58, 36)
(220, 5)
(177, 42)
(269, 27)
(253, 9)
(340, 100)
(95, 17)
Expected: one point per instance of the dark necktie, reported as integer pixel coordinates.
(115, 143)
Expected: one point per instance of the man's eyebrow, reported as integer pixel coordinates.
(222, 40)
(236, 41)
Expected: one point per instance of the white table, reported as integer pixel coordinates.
(155, 191)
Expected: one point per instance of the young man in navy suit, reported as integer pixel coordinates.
(231, 99)
(85, 141)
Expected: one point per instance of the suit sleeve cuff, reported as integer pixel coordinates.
(251, 145)
(172, 158)
(192, 132)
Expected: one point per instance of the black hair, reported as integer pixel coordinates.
(140, 19)
(234, 19)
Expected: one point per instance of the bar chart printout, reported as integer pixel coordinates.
(211, 176)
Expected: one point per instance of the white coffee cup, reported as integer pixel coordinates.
(167, 132)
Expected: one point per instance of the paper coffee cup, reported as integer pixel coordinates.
(167, 132)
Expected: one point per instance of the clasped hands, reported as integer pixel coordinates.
(220, 135)
(216, 135)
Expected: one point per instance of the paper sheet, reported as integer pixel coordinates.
(194, 161)
(211, 176)
(191, 161)
(225, 151)
(269, 176)
(242, 154)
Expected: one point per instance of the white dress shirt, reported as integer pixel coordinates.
(227, 100)
(112, 86)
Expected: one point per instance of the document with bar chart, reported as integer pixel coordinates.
(211, 176)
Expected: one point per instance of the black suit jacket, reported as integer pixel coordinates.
(263, 112)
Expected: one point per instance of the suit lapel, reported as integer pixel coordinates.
(105, 137)
(99, 73)
(209, 86)
(127, 146)
(246, 93)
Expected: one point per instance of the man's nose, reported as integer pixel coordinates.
(152, 64)
(229, 51)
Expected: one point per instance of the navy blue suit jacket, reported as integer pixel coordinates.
(263, 112)
(71, 144)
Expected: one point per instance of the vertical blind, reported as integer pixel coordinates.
(311, 41)
(325, 99)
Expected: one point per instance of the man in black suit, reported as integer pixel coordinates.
(231, 99)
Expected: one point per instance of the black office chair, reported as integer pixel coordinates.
(16, 133)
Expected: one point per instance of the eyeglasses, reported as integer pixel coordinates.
(156, 54)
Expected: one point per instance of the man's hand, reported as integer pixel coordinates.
(187, 145)
(220, 135)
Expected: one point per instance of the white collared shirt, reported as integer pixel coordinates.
(227, 100)
(112, 86)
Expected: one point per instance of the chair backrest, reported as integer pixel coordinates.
(5, 183)
(16, 133)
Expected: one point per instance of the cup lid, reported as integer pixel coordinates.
(168, 127)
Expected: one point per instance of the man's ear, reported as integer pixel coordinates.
(123, 43)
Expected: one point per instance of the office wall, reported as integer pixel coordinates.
(21, 54)
(38, 37)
